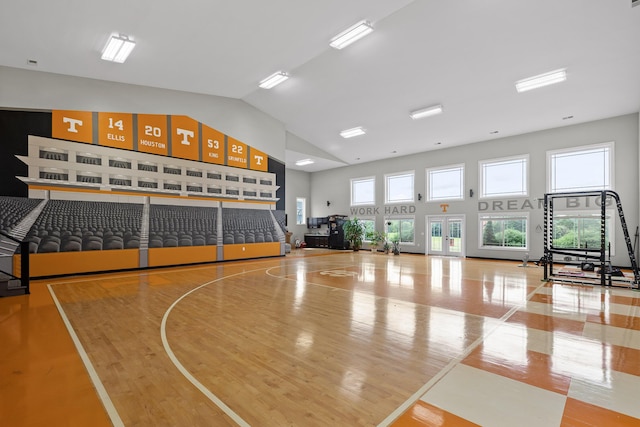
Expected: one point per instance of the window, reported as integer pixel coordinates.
(504, 177)
(574, 230)
(363, 191)
(581, 168)
(504, 231)
(401, 229)
(301, 210)
(446, 183)
(399, 188)
(369, 228)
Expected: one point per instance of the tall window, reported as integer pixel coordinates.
(363, 191)
(446, 183)
(504, 177)
(503, 231)
(401, 229)
(399, 188)
(577, 230)
(581, 168)
(301, 210)
(369, 226)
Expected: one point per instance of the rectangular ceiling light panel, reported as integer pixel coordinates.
(350, 133)
(304, 162)
(118, 48)
(274, 80)
(426, 112)
(541, 80)
(351, 34)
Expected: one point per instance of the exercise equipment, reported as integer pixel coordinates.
(597, 254)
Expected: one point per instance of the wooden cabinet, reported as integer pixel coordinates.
(316, 241)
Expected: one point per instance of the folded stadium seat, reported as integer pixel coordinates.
(170, 242)
(268, 237)
(92, 243)
(49, 245)
(238, 238)
(228, 239)
(132, 243)
(249, 237)
(199, 240)
(259, 237)
(185, 240)
(113, 242)
(71, 246)
(155, 242)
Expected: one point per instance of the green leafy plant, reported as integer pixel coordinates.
(396, 247)
(354, 232)
(376, 238)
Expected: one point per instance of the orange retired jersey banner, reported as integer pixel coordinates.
(236, 153)
(212, 145)
(184, 138)
(153, 136)
(175, 136)
(115, 130)
(72, 125)
(258, 160)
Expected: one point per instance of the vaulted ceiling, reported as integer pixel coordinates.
(465, 55)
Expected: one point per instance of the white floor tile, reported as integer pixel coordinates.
(617, 391)
(612, 335)
(492, 400)
(555, 310)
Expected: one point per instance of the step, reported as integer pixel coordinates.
(11, 287)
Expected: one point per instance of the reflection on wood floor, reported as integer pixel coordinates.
(321, 338)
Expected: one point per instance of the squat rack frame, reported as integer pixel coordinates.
(595, 253)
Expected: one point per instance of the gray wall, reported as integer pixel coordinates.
(25, 89)
(334, 185)
(298, 185)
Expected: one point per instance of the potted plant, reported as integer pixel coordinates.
(396, 247)
(376, 239)
(386, 247)
(354, 232)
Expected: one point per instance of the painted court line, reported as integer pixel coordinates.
(102, 392)
(165, 343)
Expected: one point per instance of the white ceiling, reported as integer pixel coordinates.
(463, 54)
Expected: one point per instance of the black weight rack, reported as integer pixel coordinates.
(594, 253)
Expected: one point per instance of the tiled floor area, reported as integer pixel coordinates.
(570, 357)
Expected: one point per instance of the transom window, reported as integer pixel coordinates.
(584, 168)
(399, 188)
(363, 191)
(446, 183)
(504, 177)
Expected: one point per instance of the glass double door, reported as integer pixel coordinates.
(445, 235)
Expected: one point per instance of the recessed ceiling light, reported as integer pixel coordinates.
(273, 80)
(426, 112)
(541, 80)
(351, 34)
(350, 133)
(567, 117)
(118, 48)
(304, 162)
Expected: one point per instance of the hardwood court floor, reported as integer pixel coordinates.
(337, 339)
